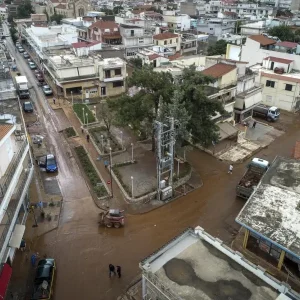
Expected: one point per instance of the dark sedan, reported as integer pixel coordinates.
(43, 282)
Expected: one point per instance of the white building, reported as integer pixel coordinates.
(41, 38)
(16, 171)
(248, 9)
(253, 28)
(134, 38)
(195, 265)
(177, 21)
(3, 11)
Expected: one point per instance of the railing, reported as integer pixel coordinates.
(6, 179)
(12, 206)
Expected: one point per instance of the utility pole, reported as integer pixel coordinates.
(165, 141)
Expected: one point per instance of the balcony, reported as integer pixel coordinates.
(11, 212)
(7, 178)
(113, 78)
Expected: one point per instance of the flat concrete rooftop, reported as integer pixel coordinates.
(273, 210)
(197, 266)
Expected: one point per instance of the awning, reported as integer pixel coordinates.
(16, 237)
(226, 130)
(4, 279)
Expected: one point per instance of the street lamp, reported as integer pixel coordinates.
(121, 139)
(111, 183)
(131, 152)
(72, 98)
(95, 111)
(132, 187)
(87, 118)
(83, 115)
(102, 142)
(82, 95)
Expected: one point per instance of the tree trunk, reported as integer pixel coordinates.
(153, 140)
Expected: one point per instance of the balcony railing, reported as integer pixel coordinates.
(6, 179)
(12, 206)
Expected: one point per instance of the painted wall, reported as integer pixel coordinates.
(278, 96)
(7, 150)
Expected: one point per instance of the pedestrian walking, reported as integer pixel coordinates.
(119, 271)
(230, 169)
(54, 101)
(88, 138)
(111, 270)
(254, 124)
(23, 245)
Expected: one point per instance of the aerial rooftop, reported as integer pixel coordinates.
(195, 265)
(273, 210)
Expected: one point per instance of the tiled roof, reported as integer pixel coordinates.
(153, 56)
(218, 70)
(174, 56)
(165, 35)
(84, 44)
(61, 6)
(278, 59)
(280, 77)
(287, 44)
(229, 13)
(104, 25)
(4, 129)
(263, 40)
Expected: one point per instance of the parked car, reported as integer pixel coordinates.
(32, 65)
(44, 279)
(47, 90)
(28, 106)
(18, 44)
(39, 77)
(49, 163)
(21, 49)
(26, 55)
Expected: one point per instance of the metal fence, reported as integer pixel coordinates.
(6, 179)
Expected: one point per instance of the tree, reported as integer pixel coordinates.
(56, 18)
(107, 115)
(176, 109)
(13, 33)
(116, 10)
(136, 62)
(142, 109)
(283, 32)
(25, 9)
(201, 126)
(218, 48)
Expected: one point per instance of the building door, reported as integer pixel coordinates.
(272, 65)
(103, 90)
(87, 93)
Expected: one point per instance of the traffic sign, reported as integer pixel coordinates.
(108, 181)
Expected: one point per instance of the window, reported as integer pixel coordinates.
(165, 42)
(141, 40)
(170, 41)
(131, 32)
(118, 72)
(176, 40)
(270, 83)
(156, 42)
(288, 87)
(107, 73)
(118, 84)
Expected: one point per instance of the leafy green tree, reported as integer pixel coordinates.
(117, 9)
(13, 33)
(136, 62)
(201, 126)
(56, 18)
(218, 48)
(142, 108)
(283, 32)
(25, 9)
(176, 109)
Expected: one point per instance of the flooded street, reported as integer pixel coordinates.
(83, 250)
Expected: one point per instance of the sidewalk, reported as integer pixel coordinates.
(117, 201)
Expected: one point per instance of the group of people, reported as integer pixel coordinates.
(112, 270)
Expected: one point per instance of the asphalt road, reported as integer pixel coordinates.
(83, 250)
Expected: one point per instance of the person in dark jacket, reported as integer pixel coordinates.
(119, 271)
(111, 270)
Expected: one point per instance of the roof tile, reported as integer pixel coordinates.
(218, 70)
(4, 129)
(263, 40)
(165, 35)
